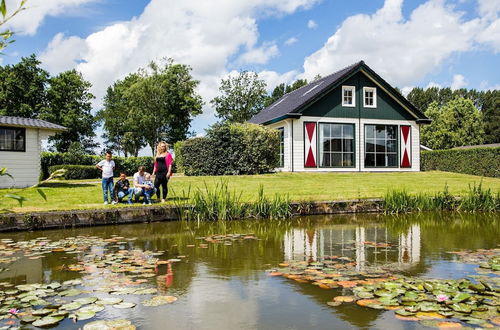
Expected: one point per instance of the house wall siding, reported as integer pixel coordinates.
(24, 166)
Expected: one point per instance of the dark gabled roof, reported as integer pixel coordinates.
(292, 104)
(28, 122)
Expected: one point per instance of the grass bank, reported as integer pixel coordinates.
(68, 195)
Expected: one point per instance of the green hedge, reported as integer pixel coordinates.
(75, 172)
(127, 164)
(229, 149)
(483, 161)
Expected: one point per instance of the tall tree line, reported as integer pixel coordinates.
(153, 104)
(27, 90)
(460, 117)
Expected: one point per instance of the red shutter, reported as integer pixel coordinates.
(310, 144)
(405, 146)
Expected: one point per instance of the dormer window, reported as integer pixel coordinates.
(369, 97)
(348, 96)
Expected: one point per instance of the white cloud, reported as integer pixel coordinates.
(28, 21)
(311, 24)
(273, 79)
(260, 55)
(189, 31)
(458, 82)
(433, 84)
(406, 90)
(402, 51)
(485, 86)
(489, 9)
(291, 41)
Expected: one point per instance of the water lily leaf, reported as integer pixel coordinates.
(42, 312)
(109, 325)
(159, 300)
(84, 314)
(429, 315)
(71, 306)
(344, 299)
(403, 312)
(366, 302)
(86, 300)
(146, 291)
(70, 293)
(29, 318)
(48, 321)
(334, 303)
(94, 308)
(109, 301)
(460, 297)
(124, 305)
(449, 325)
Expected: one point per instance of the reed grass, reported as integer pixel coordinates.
(477, 199)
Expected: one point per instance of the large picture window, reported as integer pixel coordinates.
(381, 146)
(336, 145)
(12, 139)
(281, 131)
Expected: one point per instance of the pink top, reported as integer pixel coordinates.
(168, 161)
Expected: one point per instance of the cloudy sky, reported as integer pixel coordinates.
(409, 43)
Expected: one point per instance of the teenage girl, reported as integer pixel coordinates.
(162, 169)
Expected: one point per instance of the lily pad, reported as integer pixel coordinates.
(159, 300)
(48, 321)
(86, 300)
(124, 305)
(109, 301)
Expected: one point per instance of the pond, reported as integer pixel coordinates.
(224, 282)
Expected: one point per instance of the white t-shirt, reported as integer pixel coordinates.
(139, 178)
(107, 168)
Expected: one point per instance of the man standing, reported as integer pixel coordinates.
(107, 166)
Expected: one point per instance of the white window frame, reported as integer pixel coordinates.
(353, 90)
(370, 89)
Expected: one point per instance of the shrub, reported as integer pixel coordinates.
(476, 161)
(230, 149)
(127, 164)
(75, 172)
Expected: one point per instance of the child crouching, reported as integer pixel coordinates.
(148, 193)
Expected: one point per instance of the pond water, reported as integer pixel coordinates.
(226, 286)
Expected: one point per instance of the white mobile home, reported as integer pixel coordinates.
(20, 147)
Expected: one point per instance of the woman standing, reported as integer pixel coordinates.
(162, 169)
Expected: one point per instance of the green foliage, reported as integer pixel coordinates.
(122, 132)
(23, 88)
(241, 97)
(457, 123)
(219, 203)
(127, 164)
(76, 172)
(229, 149)
(488, 103)
(163, 102)
(283, 89)
(480, 199)
(70, 106)
(475, 161)
(28, 91)
(476, 199)
(5, 36)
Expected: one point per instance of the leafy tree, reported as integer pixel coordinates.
(121, 131)
(490, 107)
(163, 101)
(455, 124)
(23, 88)
(70, 105)
(241, 97)
(283, 89)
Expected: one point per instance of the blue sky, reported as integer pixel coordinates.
(409, 43)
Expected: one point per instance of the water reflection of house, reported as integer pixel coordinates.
(361, 243)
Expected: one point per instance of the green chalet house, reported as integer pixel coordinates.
(351, 120)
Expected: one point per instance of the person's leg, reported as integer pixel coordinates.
(157, 184)
(110, 187)
(165, 187)
(130, 194)
(137, 193)
(104, 191)
(121, 194)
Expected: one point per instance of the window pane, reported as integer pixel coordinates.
(380, 132)
(325, 130)
(348, 131)
(327, 145)
(370, 146)
(370, 159)
(380, 145)
(337, 159)
(325, 160)
(380, 160)
(348, 159)
(336, 130)
(337, 145)
(370, 131)
(391, 159)
(391, 132)
(391, 146)
(348, 145)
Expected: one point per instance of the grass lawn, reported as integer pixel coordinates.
(87, 194)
